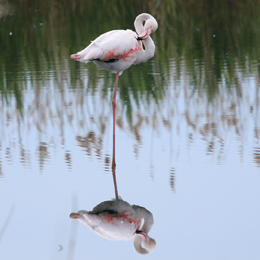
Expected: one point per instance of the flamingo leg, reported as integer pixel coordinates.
(114, 166)
(114, 126)
(114, 169)
(114, 104)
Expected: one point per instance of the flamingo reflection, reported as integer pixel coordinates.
(116, 219)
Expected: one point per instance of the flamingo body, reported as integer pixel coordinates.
(118, 220)
(117, 50)
(115, 220)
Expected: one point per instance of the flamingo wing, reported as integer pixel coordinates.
(113, 45)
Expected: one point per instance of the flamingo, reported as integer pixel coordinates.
(117, 50)
(117, 220)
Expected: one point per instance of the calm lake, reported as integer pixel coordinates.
(187, 143)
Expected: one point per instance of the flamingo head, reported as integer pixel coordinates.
(149, 243)
(144, 35)
(150, 26)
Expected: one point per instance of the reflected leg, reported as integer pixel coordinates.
(114, 104)
(114, 125)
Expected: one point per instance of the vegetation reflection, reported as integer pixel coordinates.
(207, 57)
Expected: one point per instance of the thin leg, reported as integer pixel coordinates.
(114, 162)
(114, 104)
(114, 168)
(114, 142)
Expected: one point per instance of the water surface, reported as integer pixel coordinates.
(187, 130)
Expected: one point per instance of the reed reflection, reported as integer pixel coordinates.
(191, 84)
(116, 219)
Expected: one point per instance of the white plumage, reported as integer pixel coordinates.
(118, 220)
(117, 50)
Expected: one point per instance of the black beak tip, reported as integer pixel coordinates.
(139, 38)
(138, 231)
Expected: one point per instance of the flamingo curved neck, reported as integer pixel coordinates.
(146, 215)
(147, 247)
(148, 53)
(148, 244)
(148, 43)
(139, 22)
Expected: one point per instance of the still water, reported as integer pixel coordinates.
(187, 145)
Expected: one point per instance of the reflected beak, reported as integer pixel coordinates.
(143, 235)
(144, 35)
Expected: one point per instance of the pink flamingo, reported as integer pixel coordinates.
(118, 220)
(117, 50)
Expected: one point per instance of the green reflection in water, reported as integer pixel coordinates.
(211, 45)
(213, 39)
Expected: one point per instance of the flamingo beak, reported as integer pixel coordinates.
(144, 35)
(143, 235)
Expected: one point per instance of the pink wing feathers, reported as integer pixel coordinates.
(116, 44)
